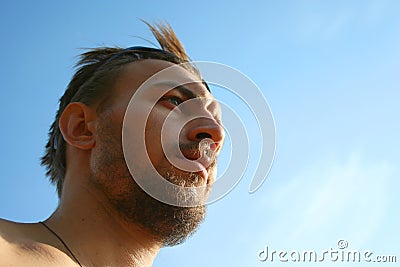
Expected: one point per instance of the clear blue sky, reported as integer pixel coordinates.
(330, 73)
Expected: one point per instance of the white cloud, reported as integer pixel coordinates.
(332, 200)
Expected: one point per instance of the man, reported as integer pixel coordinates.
(104, 217)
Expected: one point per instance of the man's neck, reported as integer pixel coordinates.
(97, 235)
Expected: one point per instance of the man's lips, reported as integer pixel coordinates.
(198, 157)
(194, 162)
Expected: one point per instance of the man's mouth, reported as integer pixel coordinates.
(199, 160)
(199, 166)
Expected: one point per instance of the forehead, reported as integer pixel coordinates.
(134, 74)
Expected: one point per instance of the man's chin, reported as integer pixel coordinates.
(191, 191)
(169, 224)
(185, 223)
(182, 220)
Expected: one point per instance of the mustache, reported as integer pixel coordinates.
(191, 146)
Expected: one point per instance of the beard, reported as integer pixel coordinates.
(170, 225)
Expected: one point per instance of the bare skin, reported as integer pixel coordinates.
(88, 223)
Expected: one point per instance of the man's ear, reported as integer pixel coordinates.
(77, 125)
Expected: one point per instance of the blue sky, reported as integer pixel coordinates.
(328, 69)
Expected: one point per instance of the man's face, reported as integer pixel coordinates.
(190, 116)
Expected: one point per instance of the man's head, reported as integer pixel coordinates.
(89, 124)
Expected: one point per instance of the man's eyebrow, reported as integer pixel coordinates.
(181, 88)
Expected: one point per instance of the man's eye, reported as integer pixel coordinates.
(174, 100)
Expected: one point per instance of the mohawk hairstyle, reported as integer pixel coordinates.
(168, 40)
(96, 72)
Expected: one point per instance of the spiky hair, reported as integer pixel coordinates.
(168, 40)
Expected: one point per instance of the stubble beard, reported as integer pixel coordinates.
(170, 225)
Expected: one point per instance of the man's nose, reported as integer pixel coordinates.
(202, 128)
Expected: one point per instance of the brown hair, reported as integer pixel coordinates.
(96, 72)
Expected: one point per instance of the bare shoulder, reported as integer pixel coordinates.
(8, 248)
(21, 245)
(14, 245)
(8, 231)
(12, 232)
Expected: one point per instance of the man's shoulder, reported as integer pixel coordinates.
(19, 246)
(8, 231)
(8, 238)
(12, 232)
